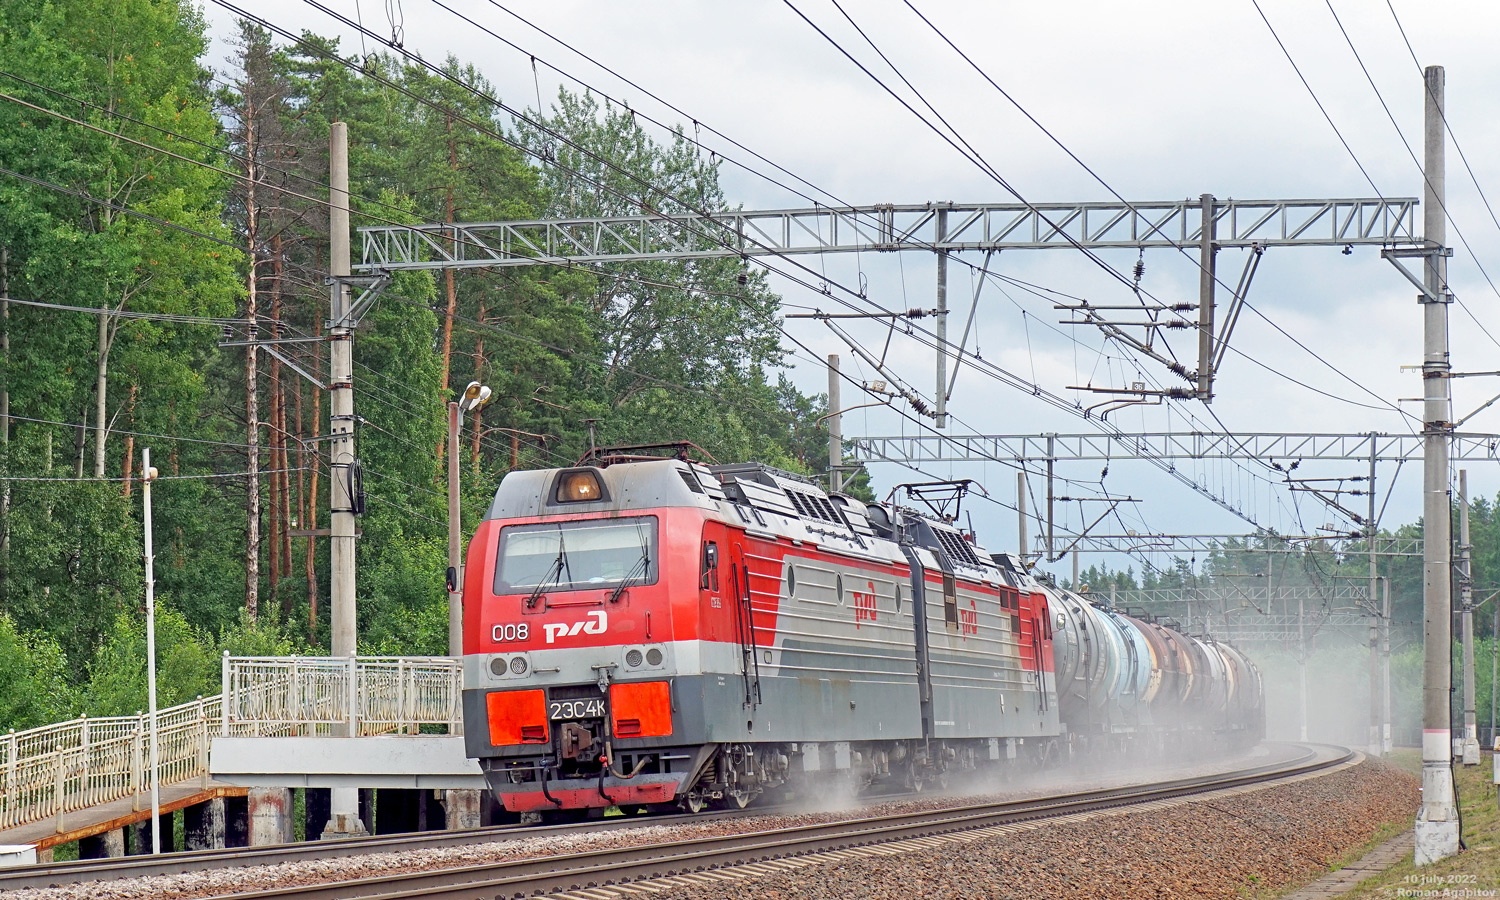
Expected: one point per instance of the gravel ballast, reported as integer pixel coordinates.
(1056, 855)
(1225, 847)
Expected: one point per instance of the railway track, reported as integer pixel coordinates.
(565, 872)
(78, 871)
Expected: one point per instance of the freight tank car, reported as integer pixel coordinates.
(659, 632)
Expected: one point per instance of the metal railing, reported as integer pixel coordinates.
(52, 771)
(327, 695)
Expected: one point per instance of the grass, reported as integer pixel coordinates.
(1474, 872)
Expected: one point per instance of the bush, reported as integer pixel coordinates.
(33, 678)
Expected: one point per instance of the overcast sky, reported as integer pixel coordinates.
(1161, 100)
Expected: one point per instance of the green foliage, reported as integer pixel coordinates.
(187, 660)
(186, 666)
(33, 678)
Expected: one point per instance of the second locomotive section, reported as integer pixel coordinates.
(663, 632)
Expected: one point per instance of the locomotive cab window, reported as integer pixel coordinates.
(709, 580)
(577, 556)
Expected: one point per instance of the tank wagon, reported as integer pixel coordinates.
(655, 632)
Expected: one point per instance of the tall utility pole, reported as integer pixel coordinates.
(835, 427)
(1495, 677)
(343, 819)
(1385, 667)
(455, 527)
(148, 475)
(1375, 744)
(1466, 610)
(341, 402)
(1302, 668)
(941, 397)
(1021, 515)
(1436, 834)
(475, 396)
(4, 407)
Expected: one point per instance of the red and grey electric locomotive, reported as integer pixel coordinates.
(652, 632)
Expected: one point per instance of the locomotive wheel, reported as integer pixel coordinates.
(693, 802)
(735, 800)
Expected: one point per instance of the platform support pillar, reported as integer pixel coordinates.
(105, 845)
(461, 809)
(204, 825)
(270, 816)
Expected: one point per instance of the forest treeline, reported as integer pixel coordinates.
(158, 209)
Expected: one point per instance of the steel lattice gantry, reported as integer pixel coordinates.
(1186, 445)
(1276, 629)
(1343, 592)
(949, 227)
(1248, 543)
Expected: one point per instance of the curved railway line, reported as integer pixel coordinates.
(552, 874)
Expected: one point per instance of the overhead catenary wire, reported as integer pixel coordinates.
(1474, 257)
(1446, 126)
(696, 122)
(480, 94)
(109, 479)
(553, 134)
(1119, 197)
(531, 151)
(978, 161)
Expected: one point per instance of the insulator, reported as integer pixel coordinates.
(1140, 270)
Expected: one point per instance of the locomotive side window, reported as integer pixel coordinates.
(791, 581)
(838, 588)
(898, 598)
(950, 602)
(709, 579)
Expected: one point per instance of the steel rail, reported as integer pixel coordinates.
(44, 875)
(565, 872)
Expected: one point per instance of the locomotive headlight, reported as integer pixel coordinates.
(578, 487)
(518, 665)
(633, 658)
(653, 656)
(497, 666)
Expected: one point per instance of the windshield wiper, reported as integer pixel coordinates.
(554, 573)
(643, 564)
